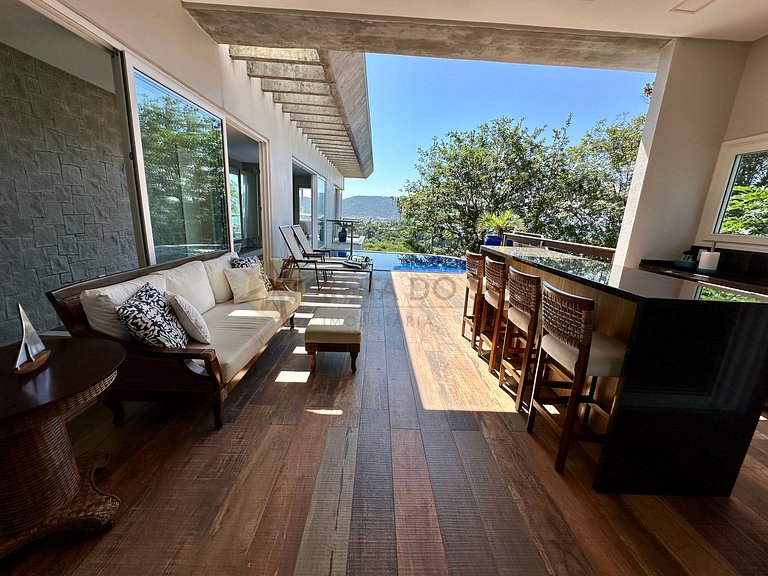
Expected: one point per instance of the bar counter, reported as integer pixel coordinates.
(694, 379)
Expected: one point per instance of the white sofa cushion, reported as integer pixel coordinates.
(191, 281)
(100, 304)
(215, 271)
(190, 317)
(246, 284)
(239, 331)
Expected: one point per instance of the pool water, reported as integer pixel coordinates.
(412, 262)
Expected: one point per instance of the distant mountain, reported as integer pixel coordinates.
(370, 208)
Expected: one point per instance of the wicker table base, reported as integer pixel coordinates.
(90, 510)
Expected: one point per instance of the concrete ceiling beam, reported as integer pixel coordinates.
(296, 87)
(303, 99)
(324, 141)
(317, 118)
(283, 71)
(313, 133)
(427, 37)
(284, 55)
(304, 109)
(326, 125)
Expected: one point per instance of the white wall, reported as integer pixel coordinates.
(695, 89)
(750, 111)
(165, 35)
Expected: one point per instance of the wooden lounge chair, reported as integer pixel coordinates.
(299, 261)
(306, 247)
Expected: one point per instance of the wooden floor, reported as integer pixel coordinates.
(416, 464)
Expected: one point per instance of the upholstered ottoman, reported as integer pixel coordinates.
(334, 330)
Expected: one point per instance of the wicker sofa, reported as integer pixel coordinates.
(239, 332)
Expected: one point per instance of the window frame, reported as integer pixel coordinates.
(719, 192)
(131, 62)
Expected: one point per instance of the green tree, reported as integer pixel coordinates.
(566, 192)
(488, 169)
(747, 212)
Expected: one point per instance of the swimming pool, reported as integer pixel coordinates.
(413, 262)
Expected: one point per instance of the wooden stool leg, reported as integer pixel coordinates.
(312, 360)
(525, 371)
(568, 424)
(464, 310)
(536, 380)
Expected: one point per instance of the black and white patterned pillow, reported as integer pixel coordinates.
(252, 262)
(151, 320)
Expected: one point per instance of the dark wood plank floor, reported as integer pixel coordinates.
(415, 464)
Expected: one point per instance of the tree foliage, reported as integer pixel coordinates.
(564, 191)
(746, 212)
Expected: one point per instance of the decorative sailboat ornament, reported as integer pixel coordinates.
(33, 352)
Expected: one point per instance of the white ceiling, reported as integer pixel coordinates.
(745, 20)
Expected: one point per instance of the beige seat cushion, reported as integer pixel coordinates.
(239, 331)
(335, 326)
(215, 271)
(606, 354)
(100, 304)
(476, 285)
(191, 282)
(522, 319)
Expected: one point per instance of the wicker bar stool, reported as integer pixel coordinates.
(518, 352)
(492, 318)
(474, 291)
(569, 348)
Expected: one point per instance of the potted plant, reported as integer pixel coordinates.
(495, 224)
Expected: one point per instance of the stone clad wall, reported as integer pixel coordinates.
(64, 202)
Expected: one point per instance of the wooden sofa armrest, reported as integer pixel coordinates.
(175, 353)
(285, 284)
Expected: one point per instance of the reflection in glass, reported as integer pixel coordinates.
(723, 295)
(183, 154)
(321, 240)
(245, 207)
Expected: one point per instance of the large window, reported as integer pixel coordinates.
(183, 156)
(745, 209)
(737, 205)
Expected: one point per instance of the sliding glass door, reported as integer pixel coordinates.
(183, 156)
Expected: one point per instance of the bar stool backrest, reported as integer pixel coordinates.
(567, 317)
(495, 277)
(524, 292)
(475, 265)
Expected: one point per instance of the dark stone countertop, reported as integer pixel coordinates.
(630, 283)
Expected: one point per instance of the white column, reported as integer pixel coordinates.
(695, 88)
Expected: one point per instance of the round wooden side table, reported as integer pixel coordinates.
(43, 487)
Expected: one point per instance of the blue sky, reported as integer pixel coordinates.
(413, 100)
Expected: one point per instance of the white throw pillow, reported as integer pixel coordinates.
(100, 304)
(190, 281)
(215, 270)
(190, 317)
(246, 284)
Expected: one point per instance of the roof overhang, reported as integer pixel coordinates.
(232, 24)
